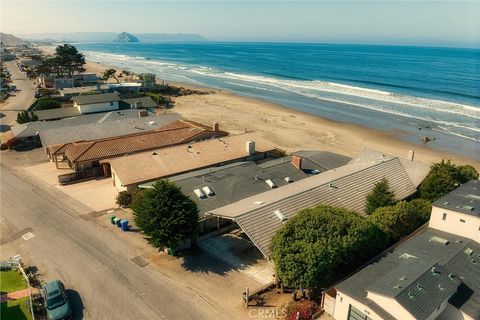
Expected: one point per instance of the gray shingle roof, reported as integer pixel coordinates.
(100, 130)
(323, 159)
(346, 186)
(57, 113)
(142, 102)
(31, 128)
(465, 199)
(413, 260)
(96, 98)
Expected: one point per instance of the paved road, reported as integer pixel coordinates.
(22, 99)
(88, 259)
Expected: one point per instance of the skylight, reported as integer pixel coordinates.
(280, 215)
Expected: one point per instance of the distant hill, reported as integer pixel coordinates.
(110, 36)
(125, 37)
(11, 40)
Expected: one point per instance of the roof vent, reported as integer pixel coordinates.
(435, 271)
(469, 251)
(410, 295)
(439, 240)
(397, 286)
(472, 196)
(199, 194)
(288, 179)
(258, 203)
(152, 123)
(403, 278)
(208, 191)
(446, 203)
(331, 185)
(419, 287)
(468, 208)
(451, 276)
(270, 183)
(440, 287)
(280, 215)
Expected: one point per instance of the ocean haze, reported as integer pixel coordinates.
(421, 23)
(110, 36)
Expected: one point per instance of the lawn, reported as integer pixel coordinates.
(11, 281)
(18, 310)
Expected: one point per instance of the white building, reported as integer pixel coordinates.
(434, 274)
(96, 102)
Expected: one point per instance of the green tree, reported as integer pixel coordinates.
(443, 178)
(423, 208)
(165, 215)
(69, 60)
(110, 73)
(312, 247)
(381, 196)
(399, 220)
(25, 116)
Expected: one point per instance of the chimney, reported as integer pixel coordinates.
(250, 147)
(142, 113)
(411, 154)
(215, 127)
(297, 162)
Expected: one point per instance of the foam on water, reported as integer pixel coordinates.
(452, 118)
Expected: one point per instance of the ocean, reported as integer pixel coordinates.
(411, 91)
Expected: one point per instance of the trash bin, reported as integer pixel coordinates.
(124, 224)
(117, 221)
(112, 219)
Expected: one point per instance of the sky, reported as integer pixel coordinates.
(427, 23)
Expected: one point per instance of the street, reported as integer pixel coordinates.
(92, 263)
(22, 99)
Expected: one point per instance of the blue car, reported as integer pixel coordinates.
(56, 301)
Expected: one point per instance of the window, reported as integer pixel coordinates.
(355, 314)
(462, 221)
(444, 216)
(111, 103)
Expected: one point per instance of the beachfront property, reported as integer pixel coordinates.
(138, 103)
(134, 171)
(261, 215)
(81, 156)
(433, 274)
(96, 102)
(147, 80)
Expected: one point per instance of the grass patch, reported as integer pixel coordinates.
(11, 281)
(18, 309)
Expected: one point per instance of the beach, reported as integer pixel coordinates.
(292, 130)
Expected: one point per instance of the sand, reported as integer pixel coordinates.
(292, 130)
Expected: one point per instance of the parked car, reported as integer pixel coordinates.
(56, 301)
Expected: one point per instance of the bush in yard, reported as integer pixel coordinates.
(301, 310)
(46, 104)
(401, 219)
(165, 215)
(124, 199)
(380, 196)
(443, 178)
(25, 116)
(310, 248)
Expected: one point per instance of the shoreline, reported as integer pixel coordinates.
(291, 129)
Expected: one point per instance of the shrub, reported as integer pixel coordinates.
(46, 104)
(301, 310)
(443, 178)
(124, 199)
(310, 248)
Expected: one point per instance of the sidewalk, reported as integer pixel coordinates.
(16, 295)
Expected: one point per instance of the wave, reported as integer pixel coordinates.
(442, 113)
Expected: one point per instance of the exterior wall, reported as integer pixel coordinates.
(97, 107)
(116, 182)
(470, 228)
(452, 313)
(342, 307)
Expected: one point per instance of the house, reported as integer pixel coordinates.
(122, 87)
(96, 102)
(84, 155)
(51, 82)
(131, 171)
(57, 114)
(72, 120)
(346, 186)
(71, 92)
(239, 180)
(147, 80)
(139, 103)
(433, 274)
(125, 123)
